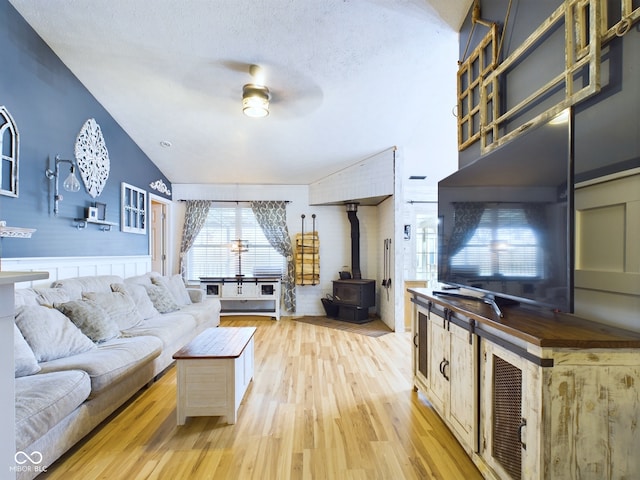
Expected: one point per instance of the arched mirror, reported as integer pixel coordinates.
(8, 154)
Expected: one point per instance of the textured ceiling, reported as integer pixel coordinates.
(349, 78)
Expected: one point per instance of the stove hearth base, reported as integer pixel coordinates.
(353, 314)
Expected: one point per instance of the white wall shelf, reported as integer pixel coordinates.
(81, 223)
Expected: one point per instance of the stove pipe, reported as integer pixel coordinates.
(352, 208)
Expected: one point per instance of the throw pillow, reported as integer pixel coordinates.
(139, 296)
(49, 296)
(50, 334)
(25, 296)
(175, 285)
(119, 306)
(91, 319)
(25, 360)
(161, 298)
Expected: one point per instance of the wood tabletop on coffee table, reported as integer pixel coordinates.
(220, 342)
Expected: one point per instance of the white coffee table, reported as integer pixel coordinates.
(214, 371)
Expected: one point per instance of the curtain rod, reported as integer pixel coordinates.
(234, 201)
(421, 201)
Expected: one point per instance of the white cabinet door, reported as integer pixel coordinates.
(453, 385)
(420, 361)
(239, 290)
(511, 423)
(463, 411)
(439, 365)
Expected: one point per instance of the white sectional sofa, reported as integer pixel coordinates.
(86, 345)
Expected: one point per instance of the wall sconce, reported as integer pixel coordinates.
(255, 100)
(70, 184)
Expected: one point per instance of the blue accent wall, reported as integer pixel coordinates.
(50, 106)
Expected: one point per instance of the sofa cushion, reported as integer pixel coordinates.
(43, 400)
(50, 334)
(161, 298)
(119, 306)
(110, 361)
(139, 296)
(91, 319)
(204, 311)
(166, 327)
(24, 359)
(74, 287)
(196, 295)
(176, 287)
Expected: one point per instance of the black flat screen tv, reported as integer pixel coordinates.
(506, 224)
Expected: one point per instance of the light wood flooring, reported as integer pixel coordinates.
(323, 404)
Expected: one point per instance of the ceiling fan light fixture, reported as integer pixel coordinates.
(255, 100)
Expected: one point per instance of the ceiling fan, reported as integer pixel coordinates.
(290, 94)
(256, 95)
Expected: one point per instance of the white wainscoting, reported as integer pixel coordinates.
(70, 267)
(607, 274)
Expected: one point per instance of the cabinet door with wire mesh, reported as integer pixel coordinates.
(509, 412)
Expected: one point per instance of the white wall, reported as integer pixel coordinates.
(386, 296)
(332, 225)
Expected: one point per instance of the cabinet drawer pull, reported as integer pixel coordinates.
(415, 340)
(523, 423)
(444, 364)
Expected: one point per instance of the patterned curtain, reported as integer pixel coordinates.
(272, 218)
(536, 216)
(194, 218)
(467, 217)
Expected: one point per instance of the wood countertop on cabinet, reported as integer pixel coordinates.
(537, 327)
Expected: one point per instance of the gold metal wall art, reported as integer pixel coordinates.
(471, 74)
(484, 112)
(580, 78)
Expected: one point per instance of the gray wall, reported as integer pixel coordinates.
(50, 106)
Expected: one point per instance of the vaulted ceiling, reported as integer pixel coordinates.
(348, 78)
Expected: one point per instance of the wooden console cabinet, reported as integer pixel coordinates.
(446, 367)
(245, 295)
(533, 395)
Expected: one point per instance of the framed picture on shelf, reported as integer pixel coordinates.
(101, 211)
(92, 213)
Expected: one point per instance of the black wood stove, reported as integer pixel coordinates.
(354, 296)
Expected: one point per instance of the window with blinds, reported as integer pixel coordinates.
(211, 254)
(503, 245)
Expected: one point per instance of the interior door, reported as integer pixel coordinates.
(158, 237)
